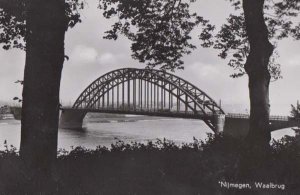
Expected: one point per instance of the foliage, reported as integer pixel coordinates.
(159, 30)
(295, 112)
(232, 41)
(13, 25)
(12, 31)
(158, 167)
(9, 150)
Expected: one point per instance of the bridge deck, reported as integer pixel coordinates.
(234, 123)
(175, 113)
(245, 116)
(150, 112)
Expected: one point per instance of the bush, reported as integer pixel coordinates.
(159, 167)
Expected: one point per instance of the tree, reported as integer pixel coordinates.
(38, 27)
(159, 30)
(295, 112)
(256, 67)
(246, 35)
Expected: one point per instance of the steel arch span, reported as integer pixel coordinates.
(148, 92)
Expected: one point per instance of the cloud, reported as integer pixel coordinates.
(83, 54)
(209, 71)
(203, 70)
(107, 58)
(294, 61)
(111, 59)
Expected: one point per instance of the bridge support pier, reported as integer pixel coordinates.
(219, 121)
(71, 119)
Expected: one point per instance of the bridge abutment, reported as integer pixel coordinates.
(71, 119)
(219, 121)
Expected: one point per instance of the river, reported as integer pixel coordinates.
(107, 130)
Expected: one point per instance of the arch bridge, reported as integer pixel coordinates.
(144, 92)
(157, 93)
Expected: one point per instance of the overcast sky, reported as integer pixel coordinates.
(91, 56)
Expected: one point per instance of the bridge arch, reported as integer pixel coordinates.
(148, 91)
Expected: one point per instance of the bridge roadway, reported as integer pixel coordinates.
(237, 125)
(72, 118)
(233, 124)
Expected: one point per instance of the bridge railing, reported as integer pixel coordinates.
(132, 109)
(246, 116)
(235, 115)
(279, 118)
(164, 110)
(145, 110)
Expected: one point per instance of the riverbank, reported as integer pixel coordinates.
(159, 167)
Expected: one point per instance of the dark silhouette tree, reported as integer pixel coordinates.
(38, 27)
(160, 32)
(249, 39)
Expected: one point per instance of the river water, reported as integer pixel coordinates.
(105, 131)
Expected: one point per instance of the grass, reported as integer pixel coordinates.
(159, 167)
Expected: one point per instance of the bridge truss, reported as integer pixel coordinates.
(131, 90)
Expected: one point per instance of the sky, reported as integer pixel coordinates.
(92, 56)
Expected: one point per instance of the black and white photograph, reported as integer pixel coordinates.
(154, 97)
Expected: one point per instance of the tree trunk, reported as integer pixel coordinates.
(46, 26)
(257, 69)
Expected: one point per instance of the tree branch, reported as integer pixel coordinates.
(14, 8)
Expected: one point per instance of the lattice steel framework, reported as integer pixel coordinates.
(148, 91)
